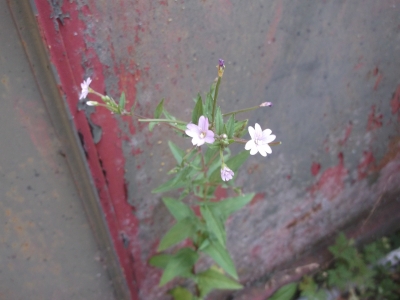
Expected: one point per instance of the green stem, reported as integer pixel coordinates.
(240, 111)
(92, 91)
(162, 120)
(215, 101)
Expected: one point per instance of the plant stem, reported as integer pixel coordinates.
(215, 101)
(240, 111)
(162, 120)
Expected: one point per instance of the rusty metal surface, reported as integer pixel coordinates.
(47, 246)
(329, 67)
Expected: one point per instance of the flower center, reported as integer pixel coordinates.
(202, 135)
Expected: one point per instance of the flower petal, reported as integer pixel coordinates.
(270, 138)
(209, 137)
(258, 130)
(249, 145)
(266, 132)
(203, 123)
(266, 148)
(192, 130)
(252, 132)
(254, 150)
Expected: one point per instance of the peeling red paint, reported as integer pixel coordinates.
(378, 81)
(315, 168)
(374, 119)
(256, 251)
(257, 198)
(366, 161)
(346, 134)
(331, 182)
(65, 47)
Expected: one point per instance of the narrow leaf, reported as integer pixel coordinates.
(286, 292)
(157, 113)
(212, 279)
(219, 122)
(230, 126)
(179, 232)
(221, 256)
(122, 101)
(240, 128)
(175, 183)
(179, 265)
(180, 293)
(160, 260)
(209, 104)
(228, 206)
(214, 223)
(159, 109)
(177, 152)
(178, 209)
(169, 186)
(198, 110)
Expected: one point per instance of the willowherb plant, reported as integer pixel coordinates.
(198, 172)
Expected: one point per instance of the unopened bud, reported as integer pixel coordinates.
(268, 104)
(92, 103)
(221, 67)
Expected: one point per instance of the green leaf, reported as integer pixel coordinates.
(175, 183)
(179, 232)
(122, 101)
(198, 110)
(228, 206)
(212, 279)
(286, 292)
(233, 163)
(159, 109)
(169, 186)
(214, 223)
(157, 114)
(160, 260)
(168, 115)
(177, 152)
(219, 122)
(208, 105)
(240, 128)
(230, 126)
(179, 265)
(178, 209)
(221, 256)
(180, 293)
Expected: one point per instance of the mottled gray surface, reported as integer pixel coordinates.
(47, 248)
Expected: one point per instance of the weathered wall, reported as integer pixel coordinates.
(329, 67)
(47, 246)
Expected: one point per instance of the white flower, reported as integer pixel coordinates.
(226, 173)
(200, 133)
(259, 140)
(85, 88)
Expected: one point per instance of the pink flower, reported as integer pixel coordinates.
(259, 140)
(226, 173)
(85, 88)
(200, 133)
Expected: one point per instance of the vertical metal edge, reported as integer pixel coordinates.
(23, 16)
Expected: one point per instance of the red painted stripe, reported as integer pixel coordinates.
(68, 53)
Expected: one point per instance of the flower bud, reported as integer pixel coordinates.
(92, 103)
